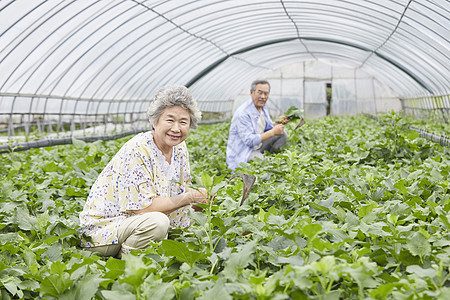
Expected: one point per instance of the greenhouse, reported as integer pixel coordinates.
(319, 168)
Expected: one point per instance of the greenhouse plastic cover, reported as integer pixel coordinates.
(65, 56)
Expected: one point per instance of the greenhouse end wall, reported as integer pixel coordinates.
(305, 85)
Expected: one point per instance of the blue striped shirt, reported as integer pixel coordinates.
(244, 134)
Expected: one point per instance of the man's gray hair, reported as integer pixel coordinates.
(259, 81)
(173, 96)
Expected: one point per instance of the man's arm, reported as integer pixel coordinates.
(276, 130)
(246, 132)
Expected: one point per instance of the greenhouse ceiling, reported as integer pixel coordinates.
(128, 49)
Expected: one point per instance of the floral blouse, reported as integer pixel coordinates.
(138, 173)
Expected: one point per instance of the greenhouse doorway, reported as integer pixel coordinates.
(329, 97)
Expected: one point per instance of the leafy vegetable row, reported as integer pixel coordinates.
(349, 209)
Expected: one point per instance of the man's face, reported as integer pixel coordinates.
(260, 95)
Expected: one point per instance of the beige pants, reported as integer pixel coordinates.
(136, 232)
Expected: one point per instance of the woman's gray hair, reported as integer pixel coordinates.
(173, 96)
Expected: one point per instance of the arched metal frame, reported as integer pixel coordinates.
(78, 54)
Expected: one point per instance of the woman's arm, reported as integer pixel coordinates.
(169, 204)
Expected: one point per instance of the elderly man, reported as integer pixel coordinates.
(252, 131)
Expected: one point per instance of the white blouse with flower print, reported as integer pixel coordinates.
(138, 173)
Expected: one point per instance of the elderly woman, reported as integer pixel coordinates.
(136, 198)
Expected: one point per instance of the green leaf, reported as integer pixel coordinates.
(43, 221)
(291, 260)
(276, 220)
(78, 143)
(219, 179)
(374, 228)
(436, 176)
(400, 185)
(135, 271)
(218, 289)
(318, 179)
(325, 265)
(84, 289)
(120, 294)
(351, 219)
(378, 194)
(162, 290)
(24, 220)
(261, 215)
(321, 244)
(444, 293)
(240, 259)
(206, 180)
(54, 252)
(58, 267)
(217, 186)
(29, 257)
(420, 272)
(332, 295)
(412, 135)
(293, 113)
(53, 239)
(29, 285)
(363, 272)
(10, 283)
(311, 230)
(73, 192)
(392, 219)
(116, 268)
(364, 210)
(418, 245)
(215, 221)
(181, 252)
(299, 276)
(318, 207)
(384, 290)
(50, 167)
(445, 221)
(54, 285)
(199, 217)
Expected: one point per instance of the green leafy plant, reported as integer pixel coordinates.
(343, 211)
(292, 113)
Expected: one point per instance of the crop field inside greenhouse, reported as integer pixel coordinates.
(351, 208)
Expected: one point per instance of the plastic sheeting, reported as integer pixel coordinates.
(57, 56)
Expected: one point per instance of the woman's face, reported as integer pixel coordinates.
(172, 127)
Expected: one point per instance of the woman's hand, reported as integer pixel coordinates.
(200, 195)
(197, 196)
